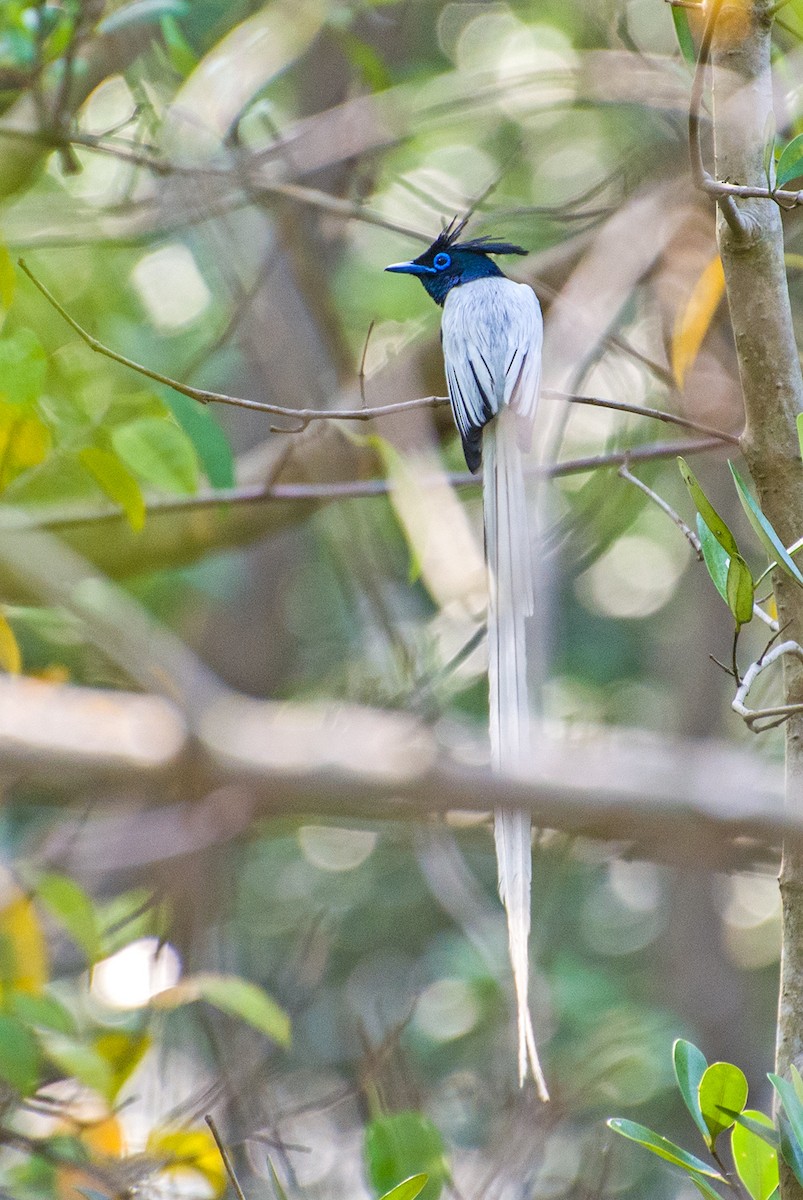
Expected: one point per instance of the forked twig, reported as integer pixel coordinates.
(760, 719)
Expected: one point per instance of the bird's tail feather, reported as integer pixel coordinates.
(510, 602)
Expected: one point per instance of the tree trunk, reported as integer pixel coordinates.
(751, 246)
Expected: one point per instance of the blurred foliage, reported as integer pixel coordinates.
(67, 1050)
(150, 203)
(716, 1097)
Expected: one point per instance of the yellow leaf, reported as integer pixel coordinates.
(8, 279)
(10, 655)
(189, 1150)
(695, 319)
(104, 1137)
(52, 673)
(31, 442)
(123, 1052)
(25, 442)
(117, 482)
(22, 939)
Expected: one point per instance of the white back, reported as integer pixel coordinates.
(492, 332)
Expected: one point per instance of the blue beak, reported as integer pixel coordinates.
(410, 268)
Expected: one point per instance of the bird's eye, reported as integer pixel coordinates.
(441, 261)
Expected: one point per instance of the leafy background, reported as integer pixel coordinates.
(231, 185)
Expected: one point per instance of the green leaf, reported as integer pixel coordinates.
(663, 1148)
(246, 1000)
(278, 1186)
(800, 431)
(707, 511)
(20, 1059)
(42, 1012)
(117, 482)
(159, 452)
(767, 1133)
(680, 17)
(182, 57)
(705, 1189)
(740, 590)
(404, 1145)
(763, 530)
(60, 479)
(365, 59)
(791, 1148)
(233, 995)
(408, 1189)
(202, 428)
(715, 558)
(723, 1086)
(60, 34)
(792, 1106)
(68, 1148)
(78, 1061)
(790, 164)
(756, 1163)
(23, 366)
(73, 909)
(797, 1082)
(689, 1062)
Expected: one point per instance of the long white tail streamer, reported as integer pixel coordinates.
(510, 602)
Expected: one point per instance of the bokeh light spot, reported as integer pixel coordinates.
(134, 975)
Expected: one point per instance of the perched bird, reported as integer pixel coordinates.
(492, 333)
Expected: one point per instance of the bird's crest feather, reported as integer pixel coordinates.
(447, 240)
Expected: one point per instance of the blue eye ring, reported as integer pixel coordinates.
(441, 261)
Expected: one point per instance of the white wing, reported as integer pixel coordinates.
(492, 335)
(525, 330)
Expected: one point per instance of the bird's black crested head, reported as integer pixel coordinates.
(449, 262)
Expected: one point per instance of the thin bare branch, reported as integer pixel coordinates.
(226, 1157)
(689, 534)
(758, 720)
(357, 489)
(702, 178)
(149, 159)
(658, 370)
(657, 414)
(362, 364)
(203, 396)
(304, 416)
(724, 193)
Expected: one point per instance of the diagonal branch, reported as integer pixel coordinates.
(305, 416)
